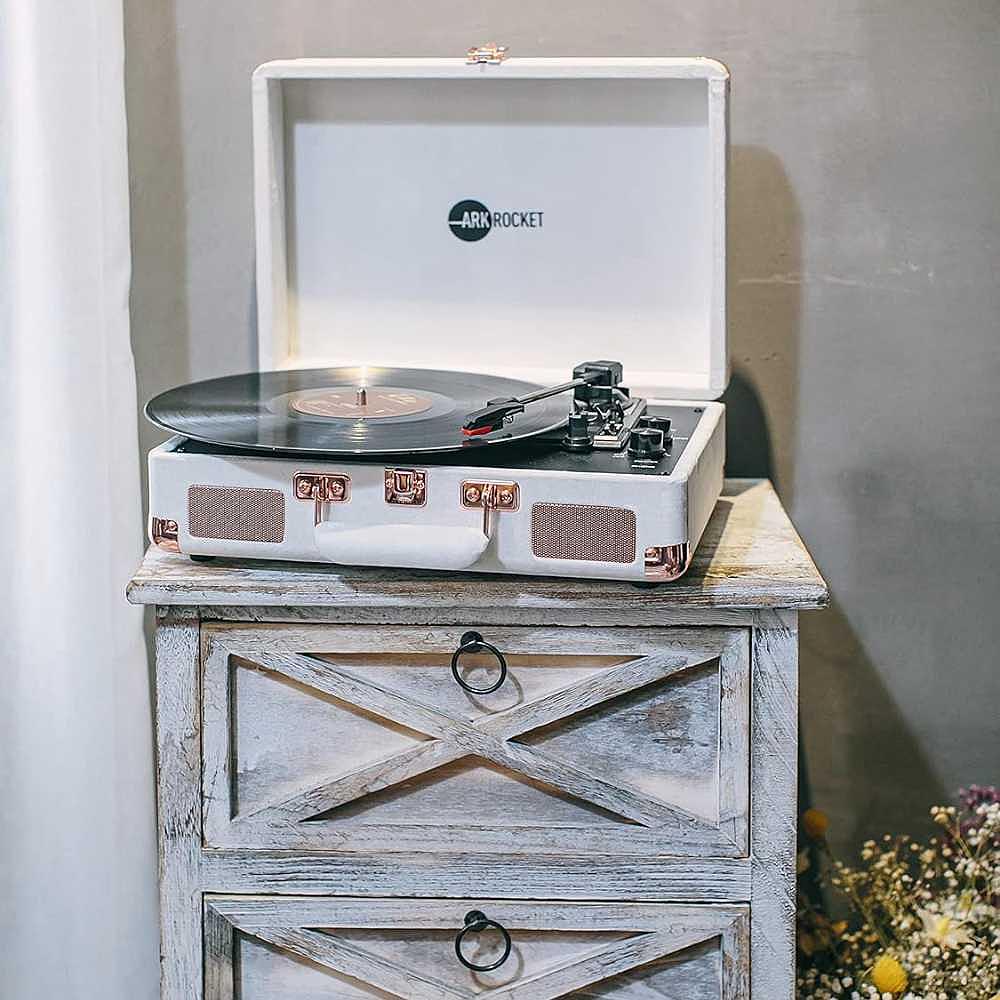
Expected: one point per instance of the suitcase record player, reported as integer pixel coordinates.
(492, 216)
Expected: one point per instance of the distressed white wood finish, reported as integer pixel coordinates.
(178, 768)
(774, 804)
(284, 630)
(512, 876)
(750, 557)
(601, 740)
(405, 948)
(219, 956)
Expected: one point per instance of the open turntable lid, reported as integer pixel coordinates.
(511, 218)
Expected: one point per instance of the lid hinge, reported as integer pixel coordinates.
(489, 54)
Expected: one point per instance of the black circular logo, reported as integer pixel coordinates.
(470, 220)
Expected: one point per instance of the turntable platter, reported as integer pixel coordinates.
(349, 411)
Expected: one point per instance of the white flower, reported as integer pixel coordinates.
(947, 925)
(944, 930)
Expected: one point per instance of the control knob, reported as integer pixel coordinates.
(646, 443)
(657, 423)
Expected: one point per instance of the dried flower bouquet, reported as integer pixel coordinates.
(923, 919)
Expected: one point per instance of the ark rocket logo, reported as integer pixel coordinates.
(471, 220)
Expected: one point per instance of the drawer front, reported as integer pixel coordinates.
(620, 741)
(320, 948)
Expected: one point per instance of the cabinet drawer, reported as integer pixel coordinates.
(320, 948)
(620, 741)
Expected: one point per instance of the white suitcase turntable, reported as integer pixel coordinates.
(506, 217)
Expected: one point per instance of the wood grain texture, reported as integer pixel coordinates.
(255, 912)
(384, 974)
(750, 557)
(267, 973)
(508, 876)
(219, 950)
(405, 947)
(736, 959)
(178, 743)
(773, 808)
(596, 727)
(613, 614)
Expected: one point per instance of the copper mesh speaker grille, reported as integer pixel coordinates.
(236, 515)
(582, 532)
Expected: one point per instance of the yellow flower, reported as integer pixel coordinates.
(815, 822)
(888, 976)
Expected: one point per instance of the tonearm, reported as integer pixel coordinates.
(497, 412)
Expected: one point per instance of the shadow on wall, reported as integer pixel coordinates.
(858, 759)
(764, 244)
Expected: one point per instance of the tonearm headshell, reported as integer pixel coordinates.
(603, 413)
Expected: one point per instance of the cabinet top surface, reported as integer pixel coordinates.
(749, 557)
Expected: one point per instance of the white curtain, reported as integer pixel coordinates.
(77, 858)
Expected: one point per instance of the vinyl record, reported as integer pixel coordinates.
(349, 411)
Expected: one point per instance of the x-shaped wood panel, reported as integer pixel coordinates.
(290, 924)
(488, 738)
(491, 738)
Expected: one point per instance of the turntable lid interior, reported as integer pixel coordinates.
(604, 184)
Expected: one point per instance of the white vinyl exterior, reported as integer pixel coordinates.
(357, 163)
(670, 510)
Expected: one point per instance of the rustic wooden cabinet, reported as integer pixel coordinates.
(341, 795)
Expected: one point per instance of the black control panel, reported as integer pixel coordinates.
(664, 433)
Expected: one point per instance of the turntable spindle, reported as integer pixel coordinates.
(362, 396)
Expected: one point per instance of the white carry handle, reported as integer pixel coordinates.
(421, 545)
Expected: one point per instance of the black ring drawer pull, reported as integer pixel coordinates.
(473, 642)
(475, 923)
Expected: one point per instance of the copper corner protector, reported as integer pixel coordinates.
(664, 563)
(163, 532)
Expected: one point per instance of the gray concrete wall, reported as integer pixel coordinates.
(864, 235)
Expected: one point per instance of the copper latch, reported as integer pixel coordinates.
(491, 497)
(489, 54)
(322, 488)
(498, 496)
(406, 487)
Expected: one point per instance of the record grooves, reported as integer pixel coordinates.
(349, 411)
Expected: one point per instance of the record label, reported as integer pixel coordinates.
(361, 402)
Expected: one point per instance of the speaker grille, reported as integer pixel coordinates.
(236, 515)
(582, 532)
